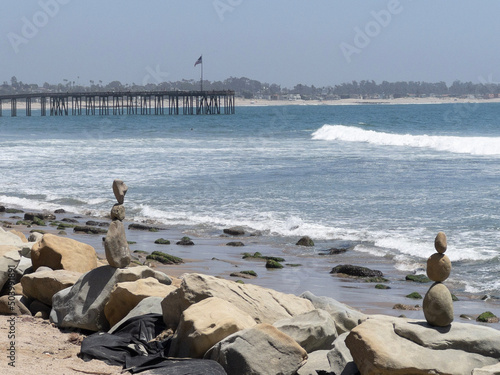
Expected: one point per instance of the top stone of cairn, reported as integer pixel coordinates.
(120, 189)
(440, 243)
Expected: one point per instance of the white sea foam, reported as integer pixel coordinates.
(462, 145)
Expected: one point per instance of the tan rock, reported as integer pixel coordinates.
(126, 295)
(20, 235)
(440, 243)
(10, 305)
(206, 323)
(116, 246)
(63, 253)
(119, 189)
(438, 306)
(43, 285)
(438, 267)
(118, 212)
(262, 304)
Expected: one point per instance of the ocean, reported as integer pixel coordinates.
(381, 180)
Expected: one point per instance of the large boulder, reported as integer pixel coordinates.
(43, 285)
(262, 349)
(126, 295)
(340, 358)
(263, 305)
(82, 305)
(382, 346)
(345, 317)
(317, 363)
(206, 323)
(149, 305)
(9, 259)
(313, 330)
(63, 253)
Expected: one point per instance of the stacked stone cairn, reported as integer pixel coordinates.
(115, 244)
(438, 303)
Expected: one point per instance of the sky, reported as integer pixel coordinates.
(287, 42)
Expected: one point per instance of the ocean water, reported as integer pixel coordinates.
(380, 179)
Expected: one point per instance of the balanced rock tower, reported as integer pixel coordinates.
(115, 244)
(438, 303)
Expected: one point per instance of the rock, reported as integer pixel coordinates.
(438, 267)
(401, 306)
(263, 305)
(116, 246)
(60, 211)
(10, 305)
(82, 305)
(185, 241)
(345, 317)
(42, 216)
(88, 230)
(305, 241)
(126, 295)
(317, 363)
(119, 189)
(262, 349)
(164, 258)
(377, 348)
(357, 271)
(204, 324)
(487, 370)
(43, 285)
(235, 244)
(270, 263)
(336, 251)
(35, 237)
(438, 305)
(118, 212)
(92, 223)
(9, 239)
(313, 330)
(149, 305)
(418, 278)
(20, 235)
(70, 220)
(487, 317)
(235, 231)
(340, 358)
(244, 274)
(440, 243)
(2, 208)
(382, 286)
(162, 241)
(9, 259)
(63, 253)
(143, 227)
(414, 295)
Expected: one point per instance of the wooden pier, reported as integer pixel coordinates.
(125, 103)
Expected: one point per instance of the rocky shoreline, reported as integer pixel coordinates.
(206, 316)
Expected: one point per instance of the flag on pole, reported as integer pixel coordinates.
(199, 61)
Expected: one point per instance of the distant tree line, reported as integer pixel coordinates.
(250, 88)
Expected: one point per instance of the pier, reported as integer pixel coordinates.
(125, 103)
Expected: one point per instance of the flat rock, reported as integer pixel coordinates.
(206, 323)
(43, 285)
(377, 348)
(119, 189)
(126, 295)
(63, 253)
(116, 246)
(235, 231)
(262, 349)
(82, 305)
(262, 304)
(345, 317)
(358, 271)
(313, 330)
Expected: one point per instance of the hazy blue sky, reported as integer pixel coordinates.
(320, 42)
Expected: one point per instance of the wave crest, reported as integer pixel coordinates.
(461, 145)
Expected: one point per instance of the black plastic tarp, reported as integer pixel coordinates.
(131, 346)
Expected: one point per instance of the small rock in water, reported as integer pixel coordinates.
(487, 317)
(119, 189)
(414, 295)
(305, 241)
(335, 251)
(418, 278)
(185, 241)
(400, 306)
(356, 271)
(440, 243)
(235, 243)
(60, 211)
(235, 231)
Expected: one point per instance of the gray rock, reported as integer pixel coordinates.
(345, 317)
(317, 362)
(438, 305)
(313, 330)
(82, 305)
(119, 189)
(378, 349)
(262, 349)
(305, 241)
(9, 259)
(235, 231)
(118, 212)
(116, 246)
(150, 305)
(340, 358)
(488, 370)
